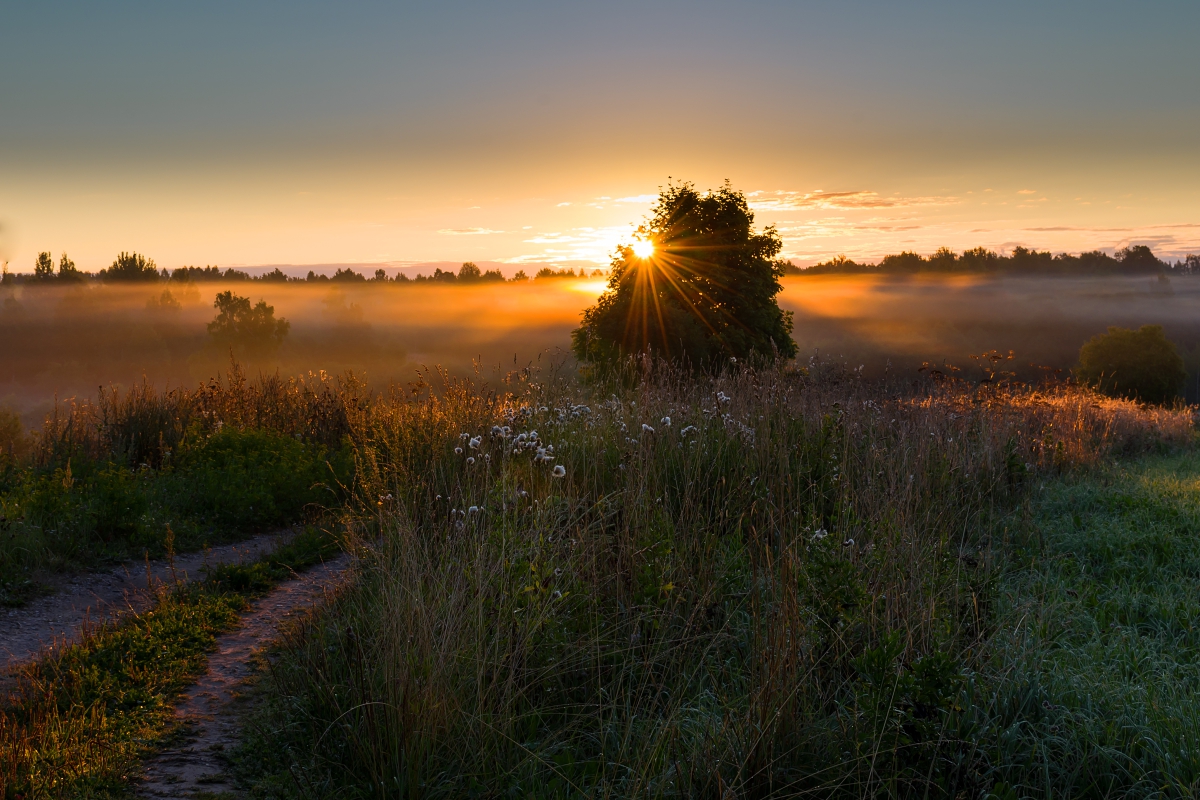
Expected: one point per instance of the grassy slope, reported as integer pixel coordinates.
(1100, 694)
(783, 598)
(219, 487)
(79, 721)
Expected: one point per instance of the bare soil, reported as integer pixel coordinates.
(208, 713)
(56, 621)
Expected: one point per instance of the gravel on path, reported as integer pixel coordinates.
(55, 621)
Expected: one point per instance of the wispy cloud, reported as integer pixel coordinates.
(797, 201)
(467, 231)
(637, 198)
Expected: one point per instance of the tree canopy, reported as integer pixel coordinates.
(1140, 365)
(253, 329)
(706, 293)
(131, 267)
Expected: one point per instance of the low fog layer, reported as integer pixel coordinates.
(66, 341)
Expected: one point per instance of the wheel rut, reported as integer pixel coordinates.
(55, 621)
(208, 711)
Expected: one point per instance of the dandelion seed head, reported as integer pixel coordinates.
(559, 471)
(470, 461)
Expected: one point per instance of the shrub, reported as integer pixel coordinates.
(252, 328)
(248, 479)
(1137, 365)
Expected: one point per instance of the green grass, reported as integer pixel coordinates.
(782, 591)
(80, 721)
(1098, 658)
(216, 488)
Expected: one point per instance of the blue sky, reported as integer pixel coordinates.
(313, 133)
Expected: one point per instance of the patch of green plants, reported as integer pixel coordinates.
(215, 488)
(1097, 655)
(78, 722)
(763, 583)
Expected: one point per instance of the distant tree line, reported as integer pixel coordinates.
(136, 268)
(1136, 260)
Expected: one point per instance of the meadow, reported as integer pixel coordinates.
(65, 341)
(839, 577)
(770, 582)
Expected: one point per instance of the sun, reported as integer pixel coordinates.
(643, 248)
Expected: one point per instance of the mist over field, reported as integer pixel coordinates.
(67, 341)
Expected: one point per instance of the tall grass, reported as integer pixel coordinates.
(107, 478)
(770, 582)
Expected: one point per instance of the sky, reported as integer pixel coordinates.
(254, 133)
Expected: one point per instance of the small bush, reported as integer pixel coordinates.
(249, 479)
(1137, 365)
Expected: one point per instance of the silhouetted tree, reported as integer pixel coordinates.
(348, 275)
(67, 272)
(1140, 365)
(469, 273)
(43, 267)
(131, 267)
(706, 293)
(253, 329)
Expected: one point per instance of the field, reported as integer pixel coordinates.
(65, 342)
(773, 582)
(842, 577)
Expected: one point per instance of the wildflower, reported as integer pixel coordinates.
(646, 428)
(474, 443)
(464, 436)
(687, 430)
(559, 471)
(849, 543)
(473, 510)
(458, 451)
(819, 534)
(723, 398)
(471, 461)
(665, 421)
(497, 430)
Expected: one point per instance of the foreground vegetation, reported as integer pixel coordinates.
(78, 722)
(1096, 659)
(119, 477)
(767, 582)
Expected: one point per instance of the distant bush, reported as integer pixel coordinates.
(252, 328)
(1138, 365)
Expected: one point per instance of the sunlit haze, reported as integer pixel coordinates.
(539, 133)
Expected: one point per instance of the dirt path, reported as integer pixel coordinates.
(56, 621)
(206, 710)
